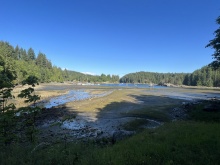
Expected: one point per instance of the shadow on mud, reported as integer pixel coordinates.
(117, 119)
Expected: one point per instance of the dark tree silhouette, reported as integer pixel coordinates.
(215, 44)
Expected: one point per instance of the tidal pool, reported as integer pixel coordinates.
(73, 95)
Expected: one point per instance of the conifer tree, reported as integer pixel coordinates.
(215, 44)
(31, 54)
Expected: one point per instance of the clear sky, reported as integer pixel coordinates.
(114, 36)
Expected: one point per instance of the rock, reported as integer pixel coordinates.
(179, 113)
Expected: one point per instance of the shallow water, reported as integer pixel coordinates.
(176, 93)
(193, 96)
(134, 85)
(73, 95)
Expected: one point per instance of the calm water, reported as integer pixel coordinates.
(73, 95)
(134, 85)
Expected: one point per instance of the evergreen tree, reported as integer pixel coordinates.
(31, 54)
(41, 60)
(215, 44)
(6, 50)
(24, 55)
(7, 75)
(17, 52)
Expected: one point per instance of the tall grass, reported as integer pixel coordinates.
(172, 143)
(186, 142)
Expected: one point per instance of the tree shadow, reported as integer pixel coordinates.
(104, 122)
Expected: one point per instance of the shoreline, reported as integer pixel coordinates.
(48, 91)
(166, 85)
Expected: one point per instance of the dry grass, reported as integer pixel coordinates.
(44, 95)
(94, 104)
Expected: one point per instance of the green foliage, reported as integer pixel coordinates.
(25, 64)
(152, 77)
(8, 127)
(31, 80)
(199, 114)
(31, 54)
(206, 76)
(7, 75)
(26, 93)
(185, 142)
(135, 125)
(28, 115)
(8, 118)
(29, 122)
(215, 44)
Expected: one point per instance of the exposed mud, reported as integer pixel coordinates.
(73, 95)
(97, 112)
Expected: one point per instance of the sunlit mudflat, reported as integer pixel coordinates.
(102, 111)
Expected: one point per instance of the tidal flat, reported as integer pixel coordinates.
(94, 112)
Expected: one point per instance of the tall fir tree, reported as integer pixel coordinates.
(31, 54)
(215, 44)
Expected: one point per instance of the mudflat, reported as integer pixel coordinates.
(110, 111)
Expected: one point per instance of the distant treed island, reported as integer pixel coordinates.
(206, 76)
(25, 63)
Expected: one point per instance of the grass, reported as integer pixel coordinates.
(186, 142)
(198, 114)
(173, 143)
(135, 125)
(115, 99)
(159, 113)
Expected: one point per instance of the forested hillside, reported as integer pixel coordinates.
(153, 77)
(205, 76)
(26, 63)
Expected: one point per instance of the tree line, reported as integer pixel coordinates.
(153, 77)
(26, 63)
(206, 76)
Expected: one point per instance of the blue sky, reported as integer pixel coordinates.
(114, 36)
